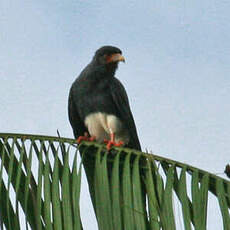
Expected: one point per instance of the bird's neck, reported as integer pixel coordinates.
(111, 69)
(105, 71)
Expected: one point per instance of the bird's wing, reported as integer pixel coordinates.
(74, 118)
(121, 101)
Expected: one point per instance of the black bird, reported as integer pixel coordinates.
(98, 104)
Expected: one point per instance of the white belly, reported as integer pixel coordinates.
(101, 125)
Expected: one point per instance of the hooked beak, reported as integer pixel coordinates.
(115, 58)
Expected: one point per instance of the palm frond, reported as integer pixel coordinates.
(40, 179)
(37, 173)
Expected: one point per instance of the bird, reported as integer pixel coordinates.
(98, 105)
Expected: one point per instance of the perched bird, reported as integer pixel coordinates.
(98, 104)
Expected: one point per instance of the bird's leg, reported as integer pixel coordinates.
(86, 137)
(112, 142)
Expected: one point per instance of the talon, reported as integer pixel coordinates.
(112, 142)
(120, 143)
(80, 139)
(86, 137)
(92, 138)
(108, 146)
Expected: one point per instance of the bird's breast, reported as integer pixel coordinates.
(101, 125)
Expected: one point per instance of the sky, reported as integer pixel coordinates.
(176, 72)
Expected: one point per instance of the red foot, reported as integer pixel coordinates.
(112, 142)
(86, 137)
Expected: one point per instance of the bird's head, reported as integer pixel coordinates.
(108, 56)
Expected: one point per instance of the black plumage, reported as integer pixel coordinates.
(98, 92)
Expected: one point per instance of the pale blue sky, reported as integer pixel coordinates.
(176, 72)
